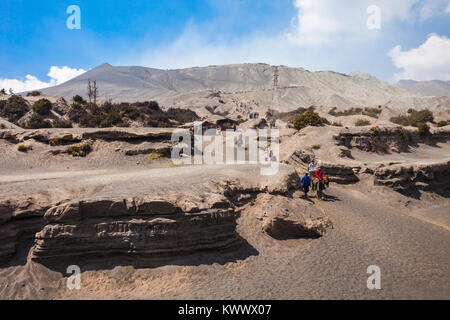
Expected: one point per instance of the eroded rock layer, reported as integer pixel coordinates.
(100, 227)
(150, 213)
(410, 179)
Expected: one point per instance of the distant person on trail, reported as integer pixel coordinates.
(306, 183)
(321, 184)
(312, 169)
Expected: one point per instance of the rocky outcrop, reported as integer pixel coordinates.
(293, 218)
(385, 140)
(340, 173)
(106, 227)
(411, 179)
(162, 148)
(129, 134)
(61, 106)
(132, 226)
(77, 134)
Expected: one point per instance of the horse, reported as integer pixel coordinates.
(319, 186)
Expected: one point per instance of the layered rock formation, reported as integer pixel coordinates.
(151, 213)
(50, 136)
(133, 226)
(410, 179)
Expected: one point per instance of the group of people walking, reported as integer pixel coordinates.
(318, 176)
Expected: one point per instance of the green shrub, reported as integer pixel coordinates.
(375, 130)
(61, 123)
(316, 147)
(79, 99)
(442, 124)
(37, 122)
(415, 118)
(182, 115)
(309, 118)
(76, 112)
(362, 123)
(424, 129)
(42, 106)
(422, 116)
(401, 120)
(402, 133)
(24, 148)
(372, 112)
(345, 113)
(14, 108)
(81, 150)
(155, 156)
(119, 114)
(337, 124)
(33, 94)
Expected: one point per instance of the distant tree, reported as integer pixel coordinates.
(92, 91)
(95, 91)
(89, 91)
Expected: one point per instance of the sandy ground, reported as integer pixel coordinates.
(411, 252)
(407, 238)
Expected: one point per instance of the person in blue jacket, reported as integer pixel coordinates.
(306, 184)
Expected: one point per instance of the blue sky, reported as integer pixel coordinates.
(35, 44)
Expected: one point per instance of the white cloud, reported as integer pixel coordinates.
(315, 23)
(318, 28)
(318, 22)
(427, 62)
(57, 76)
(432, 8)
(63, 74)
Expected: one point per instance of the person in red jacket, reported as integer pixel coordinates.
(319, 173)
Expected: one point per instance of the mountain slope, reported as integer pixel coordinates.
(248, 86)
(427, 88)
